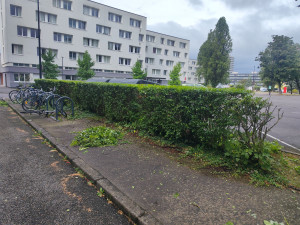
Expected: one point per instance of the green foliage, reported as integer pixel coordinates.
(174, 113)
(297, 168)
(85, 71)
(96, 137)
(213, 58)
(278, 61)
(137, 72)
(3, 103)
(49, 69)
(175, 74)
(271, 222)
(243, 84)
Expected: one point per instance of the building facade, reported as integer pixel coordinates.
(114, 38)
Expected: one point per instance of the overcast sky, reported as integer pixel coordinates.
(251, 22)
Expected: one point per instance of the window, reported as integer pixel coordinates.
(169, 63)
(134, 49)
(115, 17)
(149, 60)
(90, 11)
(63, 4)
(166, 51)
(77, 24)
(17, 49)
(155, 72)
(190, 68)
(21, 64)
(90, 42)
(124, 61)
(124, 34)
(150, 38)
(102, 29)
(22, 31)
(161, 61)
(114, 46)
(157, 51)
(162, 41)
(182, 45)
(75, 55)
(15, 10)
(141, 37)
(182, 64)
(135, 23)
(18, 77)
(185, 55)
(44, 51)
(34, 33)
(46, 17)
(103, 58)
(66, 38)
(170, 42)
(193, 63)
(176, 54)
(165, 72)
(70, 77)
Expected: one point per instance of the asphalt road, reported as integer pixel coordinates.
(288, 128)
(38, 187)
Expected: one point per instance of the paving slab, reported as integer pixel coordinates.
(154, 189)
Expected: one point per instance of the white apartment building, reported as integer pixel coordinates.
(114, 38)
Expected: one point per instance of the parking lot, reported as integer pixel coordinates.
(288, 128)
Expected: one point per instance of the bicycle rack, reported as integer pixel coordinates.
(60, 105)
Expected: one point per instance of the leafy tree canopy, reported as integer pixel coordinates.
(49, 69)
(213, 57)
(85, 64)
(279, 60)
(175, 74)
(137, 72)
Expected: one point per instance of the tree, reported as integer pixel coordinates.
(84, 71)
(49, 69)
(174, 75)
(213, 57)
(278, 60)
(137, 72)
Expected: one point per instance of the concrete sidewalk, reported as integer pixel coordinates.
(154, 189)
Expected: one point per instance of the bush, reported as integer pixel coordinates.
(229, 121)
(179, 114)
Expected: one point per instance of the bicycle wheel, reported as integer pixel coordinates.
(13, 95)
(30, 103)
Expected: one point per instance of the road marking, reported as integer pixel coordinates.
(284, 142)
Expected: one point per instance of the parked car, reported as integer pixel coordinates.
(263, 89)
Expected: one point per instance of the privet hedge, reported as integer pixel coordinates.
(179, 114)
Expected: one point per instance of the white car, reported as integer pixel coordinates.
(263, 89)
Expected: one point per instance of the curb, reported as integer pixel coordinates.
(136, 213)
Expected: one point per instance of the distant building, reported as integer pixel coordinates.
(114, 38)
(254, 77)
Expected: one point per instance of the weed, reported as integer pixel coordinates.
(96, 137)
(101, 192)
(3, 103)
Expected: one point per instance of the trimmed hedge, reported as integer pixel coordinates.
(179, 114)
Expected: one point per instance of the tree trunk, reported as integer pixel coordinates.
(279, 86)
(298, 84)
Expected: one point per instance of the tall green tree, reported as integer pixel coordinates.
(213, 57)
(137, 72)
(85, 64)
(296, 72)
(49, 68)
(175, 75)
(278, 61)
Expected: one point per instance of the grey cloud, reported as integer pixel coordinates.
(236, 4)
(195, 2)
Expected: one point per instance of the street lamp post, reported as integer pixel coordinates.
(39, 38)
